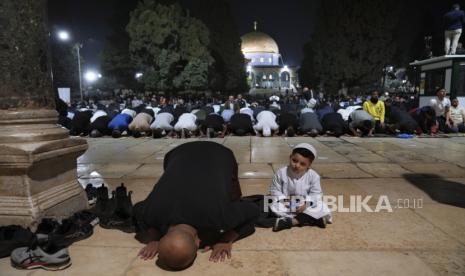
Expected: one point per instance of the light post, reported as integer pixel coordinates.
(64, 36)
(78, 46)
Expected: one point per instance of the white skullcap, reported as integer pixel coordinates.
(306, 146)
(266, 131)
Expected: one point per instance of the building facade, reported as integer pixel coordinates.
(264, 64)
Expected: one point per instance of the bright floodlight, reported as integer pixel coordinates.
(63, 35)
(249, 68)
(91, 76)
(139, 75)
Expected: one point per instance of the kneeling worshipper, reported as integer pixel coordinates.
(120, 122)
(99, 123)
(141, 123)
(195, 204)
(266, 124)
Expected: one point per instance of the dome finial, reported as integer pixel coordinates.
(255, 25)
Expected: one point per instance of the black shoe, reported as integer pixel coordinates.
(46, 227)
(63, 234)
(121, 218)
(306, 220)
(124, 224)
(123, 202)
(136, 134)
(104, 206)
(281, 224)
(321, 222)
(91, 193)
(12, 237)
(84, 217)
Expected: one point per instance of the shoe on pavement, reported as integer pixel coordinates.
(32, 258)
(12, 237)
(282, 223)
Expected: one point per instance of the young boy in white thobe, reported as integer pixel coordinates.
(298, 181)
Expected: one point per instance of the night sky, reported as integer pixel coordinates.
(289, 22)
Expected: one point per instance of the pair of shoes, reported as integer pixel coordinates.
(12, 237)
(121, 217)
(187, 133)
(104, 206)
(282, 223)
(306, 220)
(91, 193)
(85, 217)
(64, 234)
(47, 257)
(136, 134)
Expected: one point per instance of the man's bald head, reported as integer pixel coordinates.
(177, 249)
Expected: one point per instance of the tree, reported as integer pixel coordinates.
(117, 66)
(353, 41)
(64, 66)
(228, 72)
(170, 47)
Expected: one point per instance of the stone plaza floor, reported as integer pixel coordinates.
(423, 178)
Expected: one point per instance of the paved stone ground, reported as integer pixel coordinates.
(410, 240)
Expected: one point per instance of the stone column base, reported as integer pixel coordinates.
(38, 176)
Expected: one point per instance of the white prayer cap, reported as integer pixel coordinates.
(311, 103)
(266, 131)
(306, 146)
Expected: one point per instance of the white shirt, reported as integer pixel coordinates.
(306, 110)
(217, 108)
(457, 115)
(345, 113)
(97, 114)
(439, 106)
(163, 120)
(187, 118)
(156, 110)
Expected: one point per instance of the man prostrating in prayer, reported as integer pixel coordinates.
(195, 204)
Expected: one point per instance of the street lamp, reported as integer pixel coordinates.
(91, 76)
(64, 36)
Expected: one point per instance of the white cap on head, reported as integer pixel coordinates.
(266, 131)
(311, 103)
(306, 146)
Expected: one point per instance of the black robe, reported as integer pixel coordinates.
(199, 187)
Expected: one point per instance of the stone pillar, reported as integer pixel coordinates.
(38, 175)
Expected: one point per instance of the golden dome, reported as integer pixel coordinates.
(254, 42)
